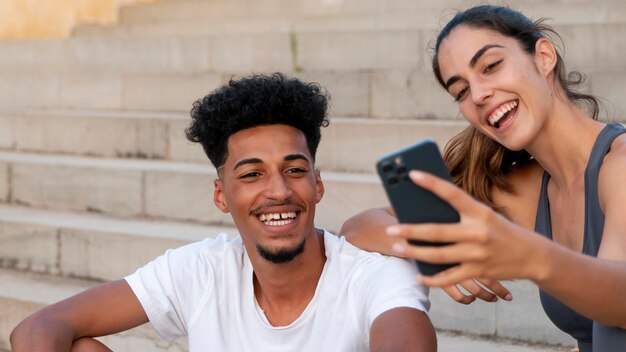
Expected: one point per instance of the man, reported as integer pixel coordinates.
(283, 285)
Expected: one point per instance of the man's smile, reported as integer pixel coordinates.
(278, 219)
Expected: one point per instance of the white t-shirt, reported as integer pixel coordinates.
(204, 291)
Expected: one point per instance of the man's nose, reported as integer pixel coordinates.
(278, 187)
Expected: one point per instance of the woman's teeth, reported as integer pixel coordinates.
(498, 114)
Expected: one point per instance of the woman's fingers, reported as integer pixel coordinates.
(447, 254)
(430, 232)
(448, 277)
(487, 290)
(477, 290)
(455, 293)
(496, 287)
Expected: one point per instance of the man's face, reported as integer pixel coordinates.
(270, 187)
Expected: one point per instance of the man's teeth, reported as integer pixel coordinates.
(277, 219)
(277, 216)
(497, 115)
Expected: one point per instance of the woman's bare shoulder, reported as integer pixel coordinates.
(613, 171)
(519, 203)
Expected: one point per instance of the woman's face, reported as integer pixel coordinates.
(501, 89)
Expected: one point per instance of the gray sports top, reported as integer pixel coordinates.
(591, 336)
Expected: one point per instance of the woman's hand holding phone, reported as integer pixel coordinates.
(483, 242)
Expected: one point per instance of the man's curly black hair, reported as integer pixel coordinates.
(253, 101)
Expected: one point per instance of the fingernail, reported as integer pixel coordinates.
(494, 299)
(508, 297)
(392, 231)
(416, 175)
(398, 248)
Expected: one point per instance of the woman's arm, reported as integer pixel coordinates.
(488, 245)
(366, 230)
(602, 281)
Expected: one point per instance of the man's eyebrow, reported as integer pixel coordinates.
(472, 62)
(247, 161)
(291, 157)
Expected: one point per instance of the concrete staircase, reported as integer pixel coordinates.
(96, 178)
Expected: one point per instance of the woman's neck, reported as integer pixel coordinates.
(564, 144)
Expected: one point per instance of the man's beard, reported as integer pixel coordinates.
(282, 256)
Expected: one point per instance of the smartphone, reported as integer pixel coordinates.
(411, 203)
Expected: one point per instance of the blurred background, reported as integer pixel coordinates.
(96, 177)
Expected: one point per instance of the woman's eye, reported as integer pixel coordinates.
(492, 66)
(461, 94)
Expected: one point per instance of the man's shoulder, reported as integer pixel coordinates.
(221, 243)
(212, 257)
(338, 249)
(209, 251)
(372, 279)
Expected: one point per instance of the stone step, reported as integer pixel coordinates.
(225, 25)
(155, 135)
(155, 189)
(355, 93)
(212, 10)
(590, 47)
(218, 17)
(23, 293)
(85, 245)
(228, 52)
(522, 318)
(384, 93)
(452, 341)
(428, 12)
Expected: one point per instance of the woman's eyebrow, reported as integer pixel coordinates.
(472, 62)
(481, 52)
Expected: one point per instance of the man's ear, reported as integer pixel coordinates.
(319, 186)
(218, 196)
(545, 56)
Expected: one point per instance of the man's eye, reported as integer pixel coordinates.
(492, 66)
(461, 94)
(251, 174)
(296, 170)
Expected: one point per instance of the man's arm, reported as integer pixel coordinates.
(89, 344)
(103, 310)
(403, 329)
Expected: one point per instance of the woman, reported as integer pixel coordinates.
(550, 181)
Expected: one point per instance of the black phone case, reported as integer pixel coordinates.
(412, 203)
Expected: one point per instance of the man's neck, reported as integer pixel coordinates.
(284, 291)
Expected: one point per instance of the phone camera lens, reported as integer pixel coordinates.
(401, 169)
(392, 180)
(387, 167)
